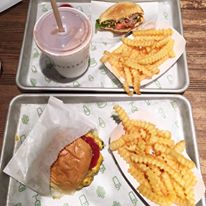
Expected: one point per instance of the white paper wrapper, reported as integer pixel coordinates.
(57, 127)
(144, 115)
(5, 4)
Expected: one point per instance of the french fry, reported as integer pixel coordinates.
(150, 59)
(137, 43)
(136, 81)
(144, 53)
(155, 161)
(128, 75)
(153, 32)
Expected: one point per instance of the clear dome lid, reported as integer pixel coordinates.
(77, 31)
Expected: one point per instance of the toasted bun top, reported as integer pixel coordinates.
(121, 10)
(71, 166)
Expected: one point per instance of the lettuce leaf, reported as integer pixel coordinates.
(98, 25)
(107, 23)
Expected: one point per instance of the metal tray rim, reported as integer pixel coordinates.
(90, 89)
(22, 46)
(6, 129)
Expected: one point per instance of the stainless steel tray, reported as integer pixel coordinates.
(33, 75)
(179, 107)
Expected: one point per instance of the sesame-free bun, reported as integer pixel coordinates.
(121, 10)
(71, 166)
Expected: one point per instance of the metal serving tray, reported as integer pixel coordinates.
(179, 107)
(33, 77)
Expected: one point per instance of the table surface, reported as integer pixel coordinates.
(12, 24)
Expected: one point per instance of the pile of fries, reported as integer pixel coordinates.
(155, 161)
(139, 57)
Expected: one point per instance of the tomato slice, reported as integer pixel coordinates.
(95, 150)
(66, 5)
(119, 26)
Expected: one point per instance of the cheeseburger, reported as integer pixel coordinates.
(76, 164)
(122, 17)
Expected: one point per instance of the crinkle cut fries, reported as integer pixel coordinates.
(138, 58)
(156, 162)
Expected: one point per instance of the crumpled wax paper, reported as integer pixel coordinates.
(57, 127)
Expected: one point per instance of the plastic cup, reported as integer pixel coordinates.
(69, 50)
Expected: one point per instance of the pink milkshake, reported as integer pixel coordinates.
(68, 50)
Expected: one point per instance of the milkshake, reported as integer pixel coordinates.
(68, 50)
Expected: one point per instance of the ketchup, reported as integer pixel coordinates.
(95, 150)
(66, 5)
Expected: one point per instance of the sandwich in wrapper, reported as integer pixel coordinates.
(61, 153)
(121, 17)
(76, 165)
